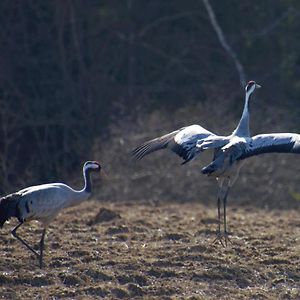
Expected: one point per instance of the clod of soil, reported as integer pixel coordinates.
(97, 275)
(117, 230)
(104, 215)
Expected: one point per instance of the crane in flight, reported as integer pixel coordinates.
(190, 141)
(43, 203)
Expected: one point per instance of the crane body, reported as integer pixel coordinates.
(43, 203)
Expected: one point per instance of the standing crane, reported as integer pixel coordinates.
(190, 141)
(43, 203)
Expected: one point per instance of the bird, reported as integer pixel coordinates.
(43, 203)
(188, 142)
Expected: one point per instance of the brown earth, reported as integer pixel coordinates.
(162, 247)
(156, 251)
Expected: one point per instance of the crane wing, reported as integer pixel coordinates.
(272, 143)
(183, 142)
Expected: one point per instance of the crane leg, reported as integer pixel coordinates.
(225, 225)
(14, 233)
(42, 243)
(219, 215)
(219, 236)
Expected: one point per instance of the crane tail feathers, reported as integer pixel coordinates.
(8, 208)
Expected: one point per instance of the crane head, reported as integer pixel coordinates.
(251, 86)
(92, 166)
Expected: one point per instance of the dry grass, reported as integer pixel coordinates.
(264, 180)
(161, 251)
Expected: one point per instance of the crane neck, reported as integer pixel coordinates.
(87, 189)
(242, 128)
(85, 192)
(78, 196)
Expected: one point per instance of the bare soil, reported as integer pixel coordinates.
(155, 251)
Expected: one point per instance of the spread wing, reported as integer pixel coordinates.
(183, 142)
(272, 143)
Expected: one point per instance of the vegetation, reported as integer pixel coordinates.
(83, 80)
(69, 69)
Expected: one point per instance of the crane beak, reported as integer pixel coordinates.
(104, 174)
(258, 86)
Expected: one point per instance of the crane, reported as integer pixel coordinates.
(190, 141)
(43, 203)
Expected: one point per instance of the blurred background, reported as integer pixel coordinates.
(82, 80)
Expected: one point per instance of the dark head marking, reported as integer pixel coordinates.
(250, 84)
(92, 166)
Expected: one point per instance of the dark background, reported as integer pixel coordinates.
(83, 80)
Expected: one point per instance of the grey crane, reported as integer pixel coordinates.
(190, 141)
(43, 203)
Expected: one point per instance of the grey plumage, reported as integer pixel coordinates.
(241, 149)
(156, 144)
(190, 141)
(182, 142)
(271, 143)
(43, 203)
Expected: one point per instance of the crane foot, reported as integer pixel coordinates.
(222, 238)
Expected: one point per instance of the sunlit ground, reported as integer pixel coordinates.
(157, 251)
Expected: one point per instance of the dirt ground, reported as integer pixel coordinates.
(155, 251)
